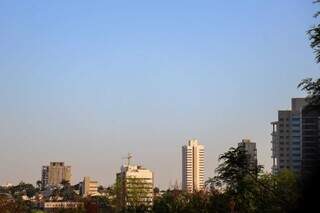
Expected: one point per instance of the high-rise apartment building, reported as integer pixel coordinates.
(44, 176)
(55, 173)
(136, 186)
(89, 187)
(192, 166)
(251, 150)
(310, 140)
(286, 138)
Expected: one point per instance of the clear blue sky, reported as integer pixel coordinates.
(85, 82)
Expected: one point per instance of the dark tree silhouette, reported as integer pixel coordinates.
(312, 86)
(314, 36)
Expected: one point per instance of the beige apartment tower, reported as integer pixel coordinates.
(55, 173)
(192, 166)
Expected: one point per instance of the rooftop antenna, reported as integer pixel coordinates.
(128, 158)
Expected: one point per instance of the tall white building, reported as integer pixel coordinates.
(192, 166)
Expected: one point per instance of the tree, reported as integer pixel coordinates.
(314, 36)
(68, 193)
(234, 168)
(156, 190)
(235, 175)
(23, 189)
(249, 189)
(312, 87)
(98, 204)
(39, 184)
(171, 201)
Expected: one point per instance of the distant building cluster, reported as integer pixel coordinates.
(295, 146)
(134, 183)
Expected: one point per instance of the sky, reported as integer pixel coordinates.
(86, 82)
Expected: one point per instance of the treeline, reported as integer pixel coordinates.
(236, 188)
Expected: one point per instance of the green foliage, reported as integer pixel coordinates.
(170, 201)
(68, 193)
(237, 187)
(314, 36)
(202, 201)
(16, 205)
(21, 189)
(250, 189)
(234, 169)
(39, 184)
(312, 87)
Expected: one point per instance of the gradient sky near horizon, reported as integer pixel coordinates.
(86, 82)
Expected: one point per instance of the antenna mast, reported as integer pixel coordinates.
(128, 158)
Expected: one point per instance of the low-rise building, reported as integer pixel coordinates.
(53, 206)
(89, 187)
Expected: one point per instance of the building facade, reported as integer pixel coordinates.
(89, 187)
(136, 186)
(56, 206)
(192, 166)
(44, 177)
(251, 150)
(286, 138)
(54, 174)
(310, 140)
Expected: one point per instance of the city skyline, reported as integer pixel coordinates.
(86, 83)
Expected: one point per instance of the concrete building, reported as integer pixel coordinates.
(136, 186)
(56, 206)
(192, 166)
(251, 150)
(286, 138)
(89, 187)
(310, 140)
(54, 174)
(44, 177)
